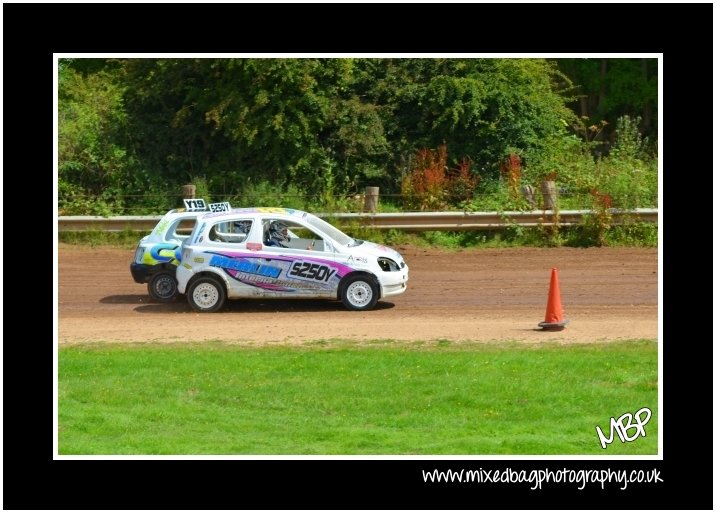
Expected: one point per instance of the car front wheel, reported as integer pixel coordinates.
(206, 294)
(163, 287)
(360, 293)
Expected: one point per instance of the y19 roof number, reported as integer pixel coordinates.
(195, 205)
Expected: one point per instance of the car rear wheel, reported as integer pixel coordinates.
(360, 293)
(206, 294)
(162, 287)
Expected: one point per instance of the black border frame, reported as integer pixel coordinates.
(33, 480)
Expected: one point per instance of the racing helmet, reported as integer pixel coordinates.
(242, 226)
(278, 232)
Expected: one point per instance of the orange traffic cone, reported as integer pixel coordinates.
(554, 317)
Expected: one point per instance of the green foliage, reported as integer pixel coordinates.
(156, 199)
(628, 234)
(609, 88)
(480, 107)
(598, 224)
(629, 143)
(564, 158)
(202, 188)
(266, 194)
(628, 174)
(282, 120)
(311, 133)
(467, 239)
(631, 184)
(634, 234)
(494, 195)
(94, 163)
(73, 201)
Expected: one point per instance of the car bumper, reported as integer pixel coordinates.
(394, 283)
(142, 273)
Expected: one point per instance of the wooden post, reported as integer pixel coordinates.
(188, 191)
(529, 194)
(371, 199)
(549, 195)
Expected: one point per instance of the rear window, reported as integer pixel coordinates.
(184, 227)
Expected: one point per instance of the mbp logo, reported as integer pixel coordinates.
(623, 424)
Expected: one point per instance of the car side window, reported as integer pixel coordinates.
(279, 234)
(235, 231)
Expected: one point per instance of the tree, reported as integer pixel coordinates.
(322, 125)
(483, 109)
(91, 119)
(238, 120)
(609, 88)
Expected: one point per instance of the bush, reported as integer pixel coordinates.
(431, 186)
(425, 186)
(266, 194)
(493, 195)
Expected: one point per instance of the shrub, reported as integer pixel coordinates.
(267, 194)
(431, 186)
(462, 182)
(511, 172)
(425, 187)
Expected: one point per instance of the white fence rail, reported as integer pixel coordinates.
(414, 221)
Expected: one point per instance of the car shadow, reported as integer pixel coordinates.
(258, 306)
(147, 304)
(126, 299)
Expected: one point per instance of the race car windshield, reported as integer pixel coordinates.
(330, 230)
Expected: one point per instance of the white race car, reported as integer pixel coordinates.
(283, 253)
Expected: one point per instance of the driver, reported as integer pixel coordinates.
(278, 234)
(242, 227)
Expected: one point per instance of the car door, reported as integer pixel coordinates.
(305, 262)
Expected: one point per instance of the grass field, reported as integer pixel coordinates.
(344, 398)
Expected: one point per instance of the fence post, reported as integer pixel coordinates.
(549, 194)
(188, 191)
(529, 194)
(370, 203)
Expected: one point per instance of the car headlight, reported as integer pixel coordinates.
(388, 265)
(139, 254)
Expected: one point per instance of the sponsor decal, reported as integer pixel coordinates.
(357, 260)
(244, 266)
(163, 253)
(281, 273)
(311, 271)
(271, 210)
(199, 232)
(161, 227)
(254, 246)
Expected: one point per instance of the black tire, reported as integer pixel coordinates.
(162, 287)
(206, 294)
(360, 292)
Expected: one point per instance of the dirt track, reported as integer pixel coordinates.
(482, 294)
